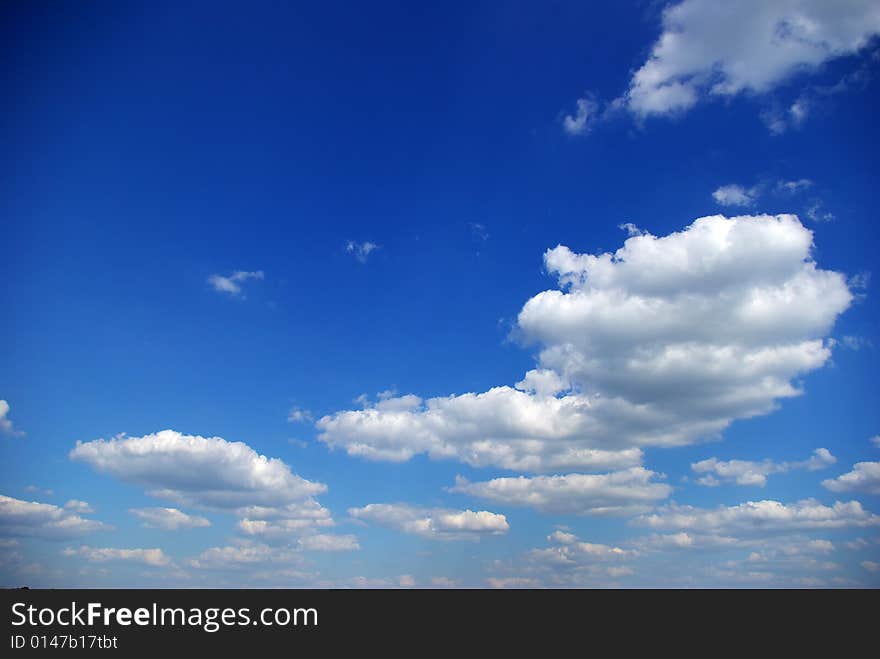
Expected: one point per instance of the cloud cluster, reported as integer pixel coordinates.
(624, 492)
(212, 473)
(662, 343)
(765, 517)
(152, 557)
(31, 518)
(748, 472)
(716, 49)
(433, 523)
(864, 477)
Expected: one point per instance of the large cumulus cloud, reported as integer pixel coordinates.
(212, 473)
(663, 342)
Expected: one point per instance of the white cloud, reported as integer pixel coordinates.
(870, 566)
(169, 519)
(723, 49)
(207, 472)
(479, 231)
(6, 427)
(513, 582)
(875, 440)
(857, 544)
(274, 523)
(442, 582)
(662, 343)
(33, 489)
(747, 472)
(582, 120)
(232, 285)
(77, 506)
(735, 195)
(864, 477)
(795, 186)
(299, 415)
(503, 426)
(618, 493)
(817, 213)
(244, 554)
(434, 523)
(153, 557)
(761, 517)
(31, 518)
(569, 561)
(329, 542)
(361, 251)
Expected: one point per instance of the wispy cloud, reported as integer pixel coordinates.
(361, 251)
(232, 284)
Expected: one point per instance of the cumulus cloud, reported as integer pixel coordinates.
(747, 472)
(503, 426)
(618, 493)
(761, 517)
(242, 555)
(735, 195)
(328, 542)
(6, 427)
(168, 519)
(864, 477)
(153, 557)
(875, 440)
(207, 472)
(31, 518)
(569, 561)
(664, 342)
(274, 523)
(711, 49)
(569, 549)
(232, 285)
(582, 120)
(361, 251)
(433, 523)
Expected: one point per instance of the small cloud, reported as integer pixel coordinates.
(232, 285)
(855, 342)
(875, 440)
(793, 187)
(799, 111)
(299, 415)
(860, 280)
(735, 195)
(77, 506)
(33, 489)
(870, 566)
(6, 427)
(817, 213)
(581, 122)
(631, 229)
(299, 443)
(479, 231)
(361, 251)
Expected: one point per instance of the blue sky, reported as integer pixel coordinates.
(322, 247)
